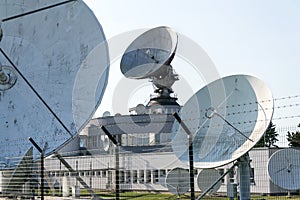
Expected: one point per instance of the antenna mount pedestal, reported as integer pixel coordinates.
(244, 177)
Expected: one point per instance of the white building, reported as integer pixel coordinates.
(145, 158)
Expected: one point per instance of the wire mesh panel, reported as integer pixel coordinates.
(143, 171)
(140, 175)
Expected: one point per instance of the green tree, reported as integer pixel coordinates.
(269, 138)
(294, 138)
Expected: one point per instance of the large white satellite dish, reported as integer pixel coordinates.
(177, 181)
(149, 56)
(54, 70)
(284, 168)
(227, 117)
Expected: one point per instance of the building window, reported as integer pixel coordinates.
(134, 176)
(231, 176)
(162, 173)
(98, 173)
(141, 176)
(128, 177)
(104, 174)
(56, 174)
(157, 138)
(61, 174)
(121, 177)
(155, 176)
(221, 172)
(252, 181)
(94, 138)
(148, 176)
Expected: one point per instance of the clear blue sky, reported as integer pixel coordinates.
(260, 38)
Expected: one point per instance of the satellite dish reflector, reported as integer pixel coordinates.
(284, 168)
(106, 114)
(227, 118)
(206, 178)
(105, 141)
(147, 55)
(56, 61)
(177, 181)
(140, 109)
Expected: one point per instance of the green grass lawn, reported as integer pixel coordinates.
(143, 196)
(168, 196)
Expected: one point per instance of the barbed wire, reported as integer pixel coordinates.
(195, 118)
(287, 117)
(286, 97)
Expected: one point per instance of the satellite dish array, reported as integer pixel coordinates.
(52, 80)
(225, 119)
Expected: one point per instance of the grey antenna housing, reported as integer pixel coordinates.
(55, 56)
(284, 168)
(227, 118)
(150, 56)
